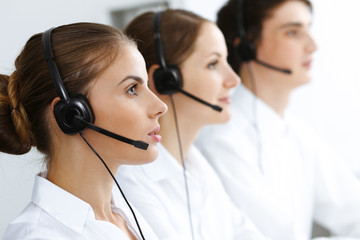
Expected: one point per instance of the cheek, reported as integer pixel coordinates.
(291, 52)
(118, 117)
(279, 51)
(208, 86)
(128, 123)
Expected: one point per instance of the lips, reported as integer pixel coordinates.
(307, 64)
(154, 134)
(226, 100)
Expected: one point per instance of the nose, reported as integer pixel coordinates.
(311, 46)
(231, 79)
(157, 107)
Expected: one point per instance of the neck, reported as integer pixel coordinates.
(188, 132)
(76, 169)
(266, 85)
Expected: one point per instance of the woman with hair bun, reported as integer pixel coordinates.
(104, 86)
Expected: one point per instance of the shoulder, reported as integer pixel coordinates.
(299, 125)
(306, 136)
(34, 223)
(25, 223)
(27, 226)
(314, 148)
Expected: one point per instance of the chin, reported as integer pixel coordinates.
(223, 117)
(301, 80)
(151, 154)
(139, 157)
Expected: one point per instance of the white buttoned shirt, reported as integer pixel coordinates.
(280, 173)
(157, 190)
(55, 214)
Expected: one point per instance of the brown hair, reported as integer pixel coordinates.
(256, 12)
(82, 52)
(179, 30)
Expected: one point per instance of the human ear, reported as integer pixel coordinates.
(151, 76)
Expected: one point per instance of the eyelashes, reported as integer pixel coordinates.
(132, 90)
(213, 64)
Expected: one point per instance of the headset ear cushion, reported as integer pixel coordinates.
(65, 114)
(246, 51)
(167, 81)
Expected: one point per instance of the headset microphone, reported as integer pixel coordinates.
(215, 107)
(168, 79)
(246, 51)
(287, 71)
(137, 144)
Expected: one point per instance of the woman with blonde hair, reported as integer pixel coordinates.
(179, 194)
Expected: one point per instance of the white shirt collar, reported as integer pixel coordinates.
(46, 195)
(268, 121)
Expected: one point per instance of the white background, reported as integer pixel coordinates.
(330, 104)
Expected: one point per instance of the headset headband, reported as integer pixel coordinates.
(240, 15)
(53, 69)
(158, 41)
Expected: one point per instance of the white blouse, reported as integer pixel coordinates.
(158, 192)
(54, 213)
(280, 173)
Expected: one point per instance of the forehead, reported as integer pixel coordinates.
(292, 11)
(210, 39)
(129, 60)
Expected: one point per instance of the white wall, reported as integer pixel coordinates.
(331, 103)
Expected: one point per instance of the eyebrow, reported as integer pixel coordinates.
(291, 24)
(214, 53)
(132, 77)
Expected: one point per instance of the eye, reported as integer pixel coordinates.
(292, 33)
(132, 90)
(213, 64)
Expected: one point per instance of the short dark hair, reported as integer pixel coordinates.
(256, 11)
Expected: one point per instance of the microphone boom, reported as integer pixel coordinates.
(136, 143)
(287, 71)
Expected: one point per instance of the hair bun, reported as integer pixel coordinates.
(15, 134)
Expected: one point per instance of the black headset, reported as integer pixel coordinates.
(167, 79)
(74, 114)
(246, 49)
(68, 110)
